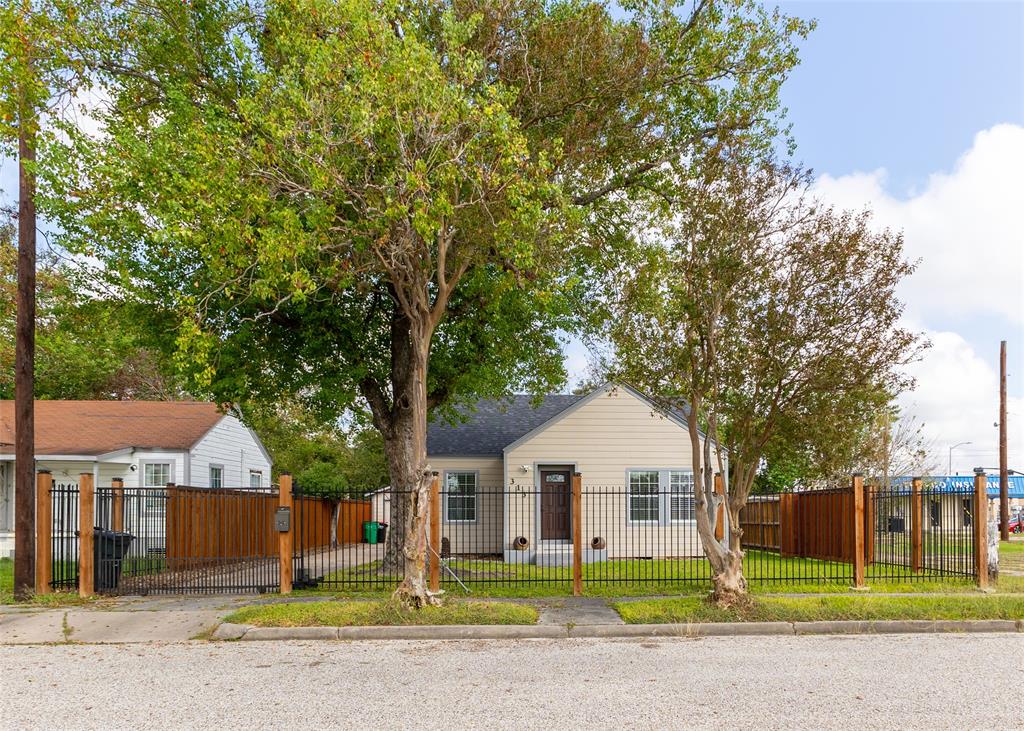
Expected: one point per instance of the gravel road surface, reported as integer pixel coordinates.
(891, 682)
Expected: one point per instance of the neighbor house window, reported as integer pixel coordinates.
(255, 478)
(460, 497)
(681, 495)
(643, 496)
(154, 475)
(216, 476)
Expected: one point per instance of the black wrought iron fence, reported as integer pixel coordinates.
(64, 536)
(920, 534)
(496, 540)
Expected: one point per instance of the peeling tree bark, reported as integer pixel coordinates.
(729, 587)
(403, 425)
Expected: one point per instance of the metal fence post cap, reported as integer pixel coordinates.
(979, 470)
(43, 472)
(858, 474)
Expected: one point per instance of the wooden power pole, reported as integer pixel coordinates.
(24, 364)
(1004, 474)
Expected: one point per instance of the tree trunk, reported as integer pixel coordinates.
(729, 587)
(405, 446)
(335, 514)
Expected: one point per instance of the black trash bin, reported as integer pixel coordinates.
(109, 549)
(382, 532)
(897, 524)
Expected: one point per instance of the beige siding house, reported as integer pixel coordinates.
(507, 472)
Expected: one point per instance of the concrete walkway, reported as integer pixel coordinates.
(180, 619)
(101, 626)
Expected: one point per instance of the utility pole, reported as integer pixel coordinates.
(25, 342)
(1004, 474)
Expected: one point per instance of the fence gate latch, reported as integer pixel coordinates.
(283, 519)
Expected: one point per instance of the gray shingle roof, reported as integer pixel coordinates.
(493, 425)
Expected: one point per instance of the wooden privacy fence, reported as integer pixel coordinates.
(817, 524)
(207, 526)
(312, 521)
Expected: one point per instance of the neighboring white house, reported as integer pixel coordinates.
(145, 443)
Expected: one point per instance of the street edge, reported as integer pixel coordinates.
(249, 633)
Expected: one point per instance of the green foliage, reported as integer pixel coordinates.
(39, 64)
(774, 316)
(335, 460)
(309, 189)
(86, 347)
(323, 479)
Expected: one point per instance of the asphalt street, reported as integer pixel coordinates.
(819, 682)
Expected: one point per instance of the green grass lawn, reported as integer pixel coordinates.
(6, 581)
(366, 613)
(768, 574)
(805, 609)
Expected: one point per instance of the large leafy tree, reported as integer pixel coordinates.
(86, 346)
(395, 204)
(774, 318)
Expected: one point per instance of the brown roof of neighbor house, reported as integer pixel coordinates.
(97, 427)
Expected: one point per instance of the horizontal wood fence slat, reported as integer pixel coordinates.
(312, 518)
(206, 526)
(803, 525)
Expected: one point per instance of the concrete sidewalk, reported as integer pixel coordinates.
(48, 626)
(180, 619)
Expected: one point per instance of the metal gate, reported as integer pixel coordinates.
(169, 540)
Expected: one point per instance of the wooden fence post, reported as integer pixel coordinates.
(284, 537)
(117, 505)
(720, 520)
(980, 528)
(916, 525)
(86, 510)
(858, 530)
(44, 532)
(435, 533)
(577, 534)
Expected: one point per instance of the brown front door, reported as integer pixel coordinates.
(555, 498)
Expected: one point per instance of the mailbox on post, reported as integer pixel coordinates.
(283, 519)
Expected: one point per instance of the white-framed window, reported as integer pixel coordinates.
(255, 478)
(216, 476)
(644, 497)
(154, 475)
(460, 497)
(681, 499)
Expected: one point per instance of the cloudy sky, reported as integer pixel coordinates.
(916, 110)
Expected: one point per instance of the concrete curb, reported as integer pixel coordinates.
(612, 631)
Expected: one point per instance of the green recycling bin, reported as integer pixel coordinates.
(370, 531)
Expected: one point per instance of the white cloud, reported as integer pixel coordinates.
(957, 398)
(966, 227)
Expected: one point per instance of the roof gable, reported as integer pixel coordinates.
(98, 427)
(491, 425)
